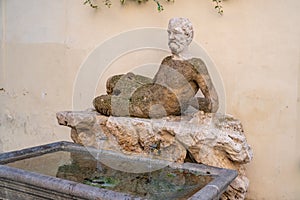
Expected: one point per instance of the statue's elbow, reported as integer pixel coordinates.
(215, 105)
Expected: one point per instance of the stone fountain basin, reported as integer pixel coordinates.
(18, 183)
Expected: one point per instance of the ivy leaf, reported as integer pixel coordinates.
(107, 3)
(159, 6)
(218, 6)
(90, 3)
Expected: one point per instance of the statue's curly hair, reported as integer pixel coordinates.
(185, 24)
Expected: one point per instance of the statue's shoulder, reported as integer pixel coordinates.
(196, 61)
(199, 65)
(167, 59)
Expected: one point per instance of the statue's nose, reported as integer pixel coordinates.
(171, 35)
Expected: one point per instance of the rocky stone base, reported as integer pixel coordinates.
(211, 139)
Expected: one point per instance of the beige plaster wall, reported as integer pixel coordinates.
(298, 135)
(255, 47)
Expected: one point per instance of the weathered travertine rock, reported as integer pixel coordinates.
(212, 139)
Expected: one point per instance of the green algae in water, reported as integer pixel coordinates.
(166, 183)
(102, 182)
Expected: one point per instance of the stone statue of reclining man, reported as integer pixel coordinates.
(171, 91)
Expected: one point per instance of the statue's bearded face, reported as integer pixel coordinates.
(179, 39)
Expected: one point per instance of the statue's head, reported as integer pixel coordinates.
(181, 34)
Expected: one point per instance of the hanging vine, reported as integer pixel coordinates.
(218, 4)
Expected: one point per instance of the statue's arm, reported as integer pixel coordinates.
(115, 83)
(210, 102)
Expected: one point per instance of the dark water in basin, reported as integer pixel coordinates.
(166, 183)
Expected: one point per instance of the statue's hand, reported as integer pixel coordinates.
(103, 104)
(201, 103)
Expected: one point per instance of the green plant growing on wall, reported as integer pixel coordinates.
(218, 6)
(160, 7)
